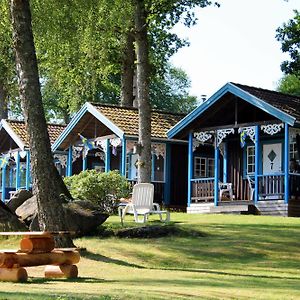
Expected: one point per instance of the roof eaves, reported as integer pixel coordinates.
(69, 127)
(12, 134)
(197, 111)
(261, 104)
(103, 119)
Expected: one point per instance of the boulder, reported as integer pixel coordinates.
(9, 221)
(82, 216)
(18, 199)
(27, 211)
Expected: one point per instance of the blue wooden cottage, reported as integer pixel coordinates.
(103, 137)
(15, 155)
(243, 146)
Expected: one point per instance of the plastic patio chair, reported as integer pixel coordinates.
(142, 204)
(251, 187)
(225, 188)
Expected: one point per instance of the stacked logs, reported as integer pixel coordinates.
(37, 250)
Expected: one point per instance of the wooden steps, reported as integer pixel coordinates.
(272, 208)
(209, 208)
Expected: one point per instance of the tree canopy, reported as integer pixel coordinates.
(289, 36)
(289, 84)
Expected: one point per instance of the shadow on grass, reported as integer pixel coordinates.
(102, 258)
(48, 296)
(206, 271)
(40, 280)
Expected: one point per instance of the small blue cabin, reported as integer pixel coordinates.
(103, 137)
(15, 155)
(243, 152)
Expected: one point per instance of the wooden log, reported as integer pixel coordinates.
(37, 245)
(13, 274)
(62, 271)
(56, 257)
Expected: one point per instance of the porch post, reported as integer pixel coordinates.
(190, 168)
(286, 163)
(257, 145)
(69, 162)
(3, 182)
(225, 160)
(123, 158)
(27, 184)
(216, 181)
(167, 176)
(152, 166)
(84, 161)
(18, 171)
(107, 157)
(11, 177)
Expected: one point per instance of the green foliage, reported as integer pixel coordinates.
(79, 47)
(289, 37)
(102, 189)
(8, 77)
(170, 91)
(289, 84)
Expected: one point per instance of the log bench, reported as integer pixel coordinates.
(37, 249)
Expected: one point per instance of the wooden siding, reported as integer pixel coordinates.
(178, 175)
(235, 171)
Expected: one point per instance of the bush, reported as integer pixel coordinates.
(103, 189)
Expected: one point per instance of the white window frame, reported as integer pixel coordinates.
(198, 171)
(293, 150)
(247, 160)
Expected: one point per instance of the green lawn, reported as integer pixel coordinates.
(216, 257)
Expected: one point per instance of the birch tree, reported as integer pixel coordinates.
(44, 175)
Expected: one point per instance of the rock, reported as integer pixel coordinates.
(83, 217)
(27, 211)
(18, 199)
(9, 221)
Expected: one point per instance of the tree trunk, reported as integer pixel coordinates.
(3, 101)
(142, 54)
(50, 211)
(127, 73)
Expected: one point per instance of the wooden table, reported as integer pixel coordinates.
(36, 249)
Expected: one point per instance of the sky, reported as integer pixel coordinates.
(236, 43)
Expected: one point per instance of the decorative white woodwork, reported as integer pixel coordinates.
(250, 131)
(202, 136)
(222, 133)
(62, 158)
(76, 152)
(158, 150)
(272, 129)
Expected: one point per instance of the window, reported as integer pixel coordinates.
(157, 165)
(210, 167)
(293, 150)
(203, 167)
(250, 160)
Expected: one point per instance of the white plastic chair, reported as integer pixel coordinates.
(142, 204)
(251, 187)
(225, 188)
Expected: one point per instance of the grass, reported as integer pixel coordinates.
(232, 257)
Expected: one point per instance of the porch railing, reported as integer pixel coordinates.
(271, 186)
(295, 185)
(202, 190)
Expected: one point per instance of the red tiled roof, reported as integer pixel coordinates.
(127, 119)
(18, 127)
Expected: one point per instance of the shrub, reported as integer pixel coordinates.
(102, 189)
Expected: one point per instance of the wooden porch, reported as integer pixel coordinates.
(270, 201)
